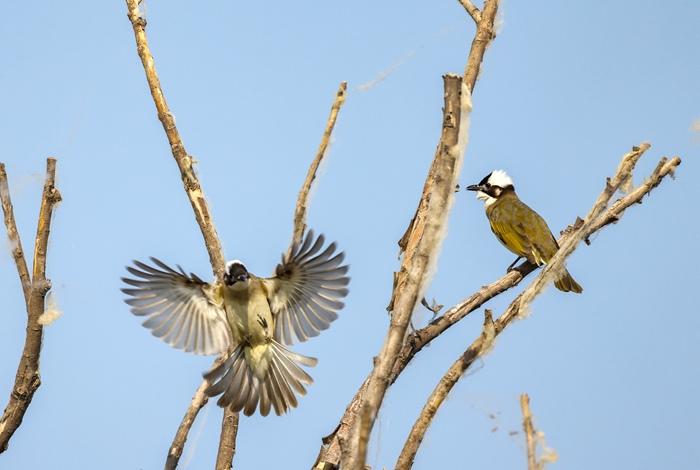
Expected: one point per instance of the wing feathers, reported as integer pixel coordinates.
(307, 291)
(178, 307)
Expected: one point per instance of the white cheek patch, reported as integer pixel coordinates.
(482, 196)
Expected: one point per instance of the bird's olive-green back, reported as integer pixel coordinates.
(521, 229)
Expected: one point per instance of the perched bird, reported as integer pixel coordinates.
(519, 228)
(248, 318)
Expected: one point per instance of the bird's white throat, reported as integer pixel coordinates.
(482, 196)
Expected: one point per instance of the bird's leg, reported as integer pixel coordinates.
(510, 268)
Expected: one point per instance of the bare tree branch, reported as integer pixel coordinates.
(476, 349)
(597, 217)
(227, 443)
(302, 200)
(420, 245)
(529, 430)
(198, 401)
(485, 33)
(27, 379)
(473, 11)
(184, 161)
(13, 235)
(204, 219)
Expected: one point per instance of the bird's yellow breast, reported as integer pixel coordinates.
(248, 313)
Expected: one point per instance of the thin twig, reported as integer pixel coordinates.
(518, 307)
(529, 430)
(27, 379)
(201, 212)
(303, 199)
(420, 247)
(178, 446)
(473, 11)
(485, 33)
(13, 234)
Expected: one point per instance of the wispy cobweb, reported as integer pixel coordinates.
(384, 74)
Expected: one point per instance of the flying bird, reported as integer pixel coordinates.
(519, 228)
(249, 319)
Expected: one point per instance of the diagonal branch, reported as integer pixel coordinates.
(473, 11)
(479, 347)
(597, 218)
(27, 379)
(204, 219)
(178, 445)
(303, 199)
(13, 234)
(184, 161)
(421, 245)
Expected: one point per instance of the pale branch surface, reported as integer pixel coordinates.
(178, 445)
(227, 443)
(473, 11)
(529, 431)
(303, 199)
(415, 438)
(421, 250)
(204, 219)
(27, 379)
(420, 246)
(13, 234)
(184, 161)
(597, 218)
(485, 33)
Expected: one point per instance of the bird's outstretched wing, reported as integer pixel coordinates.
(181, 309)
(306, 290)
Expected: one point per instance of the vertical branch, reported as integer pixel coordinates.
(302, 200)
(204, 219)
(27, 379)
(485, 33)
(422, 243)
(227, 443)
(529, 430)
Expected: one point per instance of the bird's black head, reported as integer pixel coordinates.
(235, 272)
(492, 186)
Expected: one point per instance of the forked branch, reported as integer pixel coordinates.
(420, 245)
(599, 216)
(27, 379)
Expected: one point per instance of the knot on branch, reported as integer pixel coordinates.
(54, 196)
(41, 286)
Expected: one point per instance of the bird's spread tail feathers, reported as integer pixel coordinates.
(566, 283)
(244, 388)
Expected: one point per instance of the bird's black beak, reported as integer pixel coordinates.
(475, 187)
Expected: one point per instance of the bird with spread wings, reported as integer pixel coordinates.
(249, 319)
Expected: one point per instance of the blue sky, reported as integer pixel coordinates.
(566, 89)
